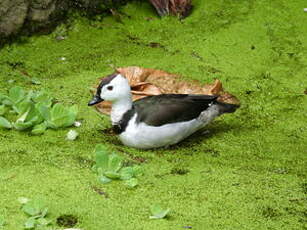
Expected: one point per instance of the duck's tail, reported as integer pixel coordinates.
(227, 108)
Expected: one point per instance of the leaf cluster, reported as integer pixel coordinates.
(23, 110)
(109, 166)
(37, 213)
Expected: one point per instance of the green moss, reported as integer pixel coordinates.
(249, 172)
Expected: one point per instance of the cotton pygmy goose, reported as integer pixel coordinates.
(156, 121)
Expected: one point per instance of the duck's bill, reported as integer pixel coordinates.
(95, 101)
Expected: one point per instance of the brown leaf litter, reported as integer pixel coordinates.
(147, 82)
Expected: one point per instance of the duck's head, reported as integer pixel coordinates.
(111, 88)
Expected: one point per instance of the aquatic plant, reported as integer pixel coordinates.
(109, 166)
(23, 110)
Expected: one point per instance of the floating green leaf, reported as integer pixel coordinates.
(102, 157)
(2, 97)
(5, 123)
(112, 175)
(103, 179)
(131, 183)
(3, 110)
(110, 167)
(30, 223)
(22, 106)
(39, 129)
(44, 212)
(42, 98)
(158, 212)
(34, 109)
(34, 208)
(16, 94)
(61, 116)
(19, 125)
(37, 212)
(137, 170)
(43, 221)
(34, 116)
(115, 163)
(44, 111)
(126, 173)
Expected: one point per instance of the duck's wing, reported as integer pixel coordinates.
(171, 108)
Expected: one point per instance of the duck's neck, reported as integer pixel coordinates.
(120, 107)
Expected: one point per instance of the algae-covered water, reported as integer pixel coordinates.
(249, 172)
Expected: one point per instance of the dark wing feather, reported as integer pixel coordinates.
(171, 108)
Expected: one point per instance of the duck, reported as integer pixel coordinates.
(156, 121)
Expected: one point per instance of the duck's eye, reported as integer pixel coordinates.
(110, 88)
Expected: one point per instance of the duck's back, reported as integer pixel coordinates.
(171, 108)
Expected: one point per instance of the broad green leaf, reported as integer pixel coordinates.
(35, 120)
(58, 110)
(137, 170)
(19, 125)
(23, 116)
(22, 106)
(74, 109)
(34, 115)
(3, 110)
(44, 212)
(158, 212)
(131, 183)
(39, 129)
(2, 97)
(103, 179)
(115, 163)
(42, 98)
(30, 223)
(61, 117)
(29, 95)
(33, 208)
(101, 148)
(126, 173)
(112, 175)
(4, 123)
(102, 157)
(16, 94)
(5, 100)
(31, 115)
(43, 222)
(44, 111)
